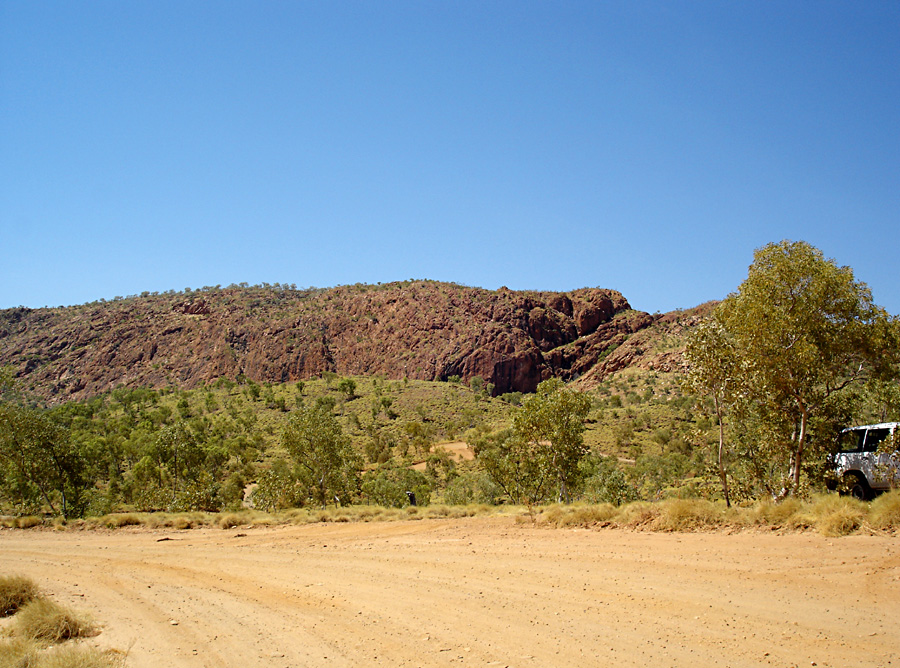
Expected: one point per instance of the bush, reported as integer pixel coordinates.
(884, 512)
(15, 592)
(388, 487)
(43, 620)
(277, 488)
(25, 653)
(687, 515)
(115, 521)
(472, 488)
(609, 484)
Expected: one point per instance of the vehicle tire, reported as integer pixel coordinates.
(857, 487)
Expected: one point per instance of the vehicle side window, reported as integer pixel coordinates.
(851, 441)
(873, 438)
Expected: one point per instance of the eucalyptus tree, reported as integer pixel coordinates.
(797, 335)
(551, 423)
(713, 370)
(538, 457)
(39, 464)
(325, 461)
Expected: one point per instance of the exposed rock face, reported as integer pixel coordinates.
(659, 347)
(417, 329)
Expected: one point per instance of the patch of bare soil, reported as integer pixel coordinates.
(459, 451)
(477, 592)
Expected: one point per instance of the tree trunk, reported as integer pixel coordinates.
(798, 455)
(723, 475)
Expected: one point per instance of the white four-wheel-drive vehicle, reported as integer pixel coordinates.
(868, 460)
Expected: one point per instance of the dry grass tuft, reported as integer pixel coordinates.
(231, 520)
(567, 516)
(884, 511)
(769, 513)
(28, 522)
(832, 515)
(18, 653)
(26, 653)
(688, 515)
(117, 521)
(15, 592)
(639, 514)
(43, 620)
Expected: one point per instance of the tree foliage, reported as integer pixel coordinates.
(38, 463)
(538, 457)
(712, 370)
(783, 350)
(325, 460)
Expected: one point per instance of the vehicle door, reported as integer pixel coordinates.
(850, 445)
(876, 466)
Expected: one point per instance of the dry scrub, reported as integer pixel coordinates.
(15, 592)
(40, 625)
(829, 514)
(42, 620)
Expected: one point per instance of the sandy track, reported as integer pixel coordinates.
(477, 592)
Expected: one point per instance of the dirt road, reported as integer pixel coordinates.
(474, 592)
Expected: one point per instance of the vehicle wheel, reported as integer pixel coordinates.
(857, 487)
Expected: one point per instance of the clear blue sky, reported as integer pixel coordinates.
(648, 147)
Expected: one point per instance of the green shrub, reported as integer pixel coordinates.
(468, 488)
(388, 487)
(609, 484)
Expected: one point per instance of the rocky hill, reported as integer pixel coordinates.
(416, 329)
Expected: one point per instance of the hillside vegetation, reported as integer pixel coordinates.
(421, 392)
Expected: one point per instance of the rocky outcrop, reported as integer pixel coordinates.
(415, 329)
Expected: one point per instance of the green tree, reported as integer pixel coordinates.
(712, 369)
(38, 462)
(347, 386)
(540, 454)
(551, 422)
(803, 331)
(509, 461)
(325, 460)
